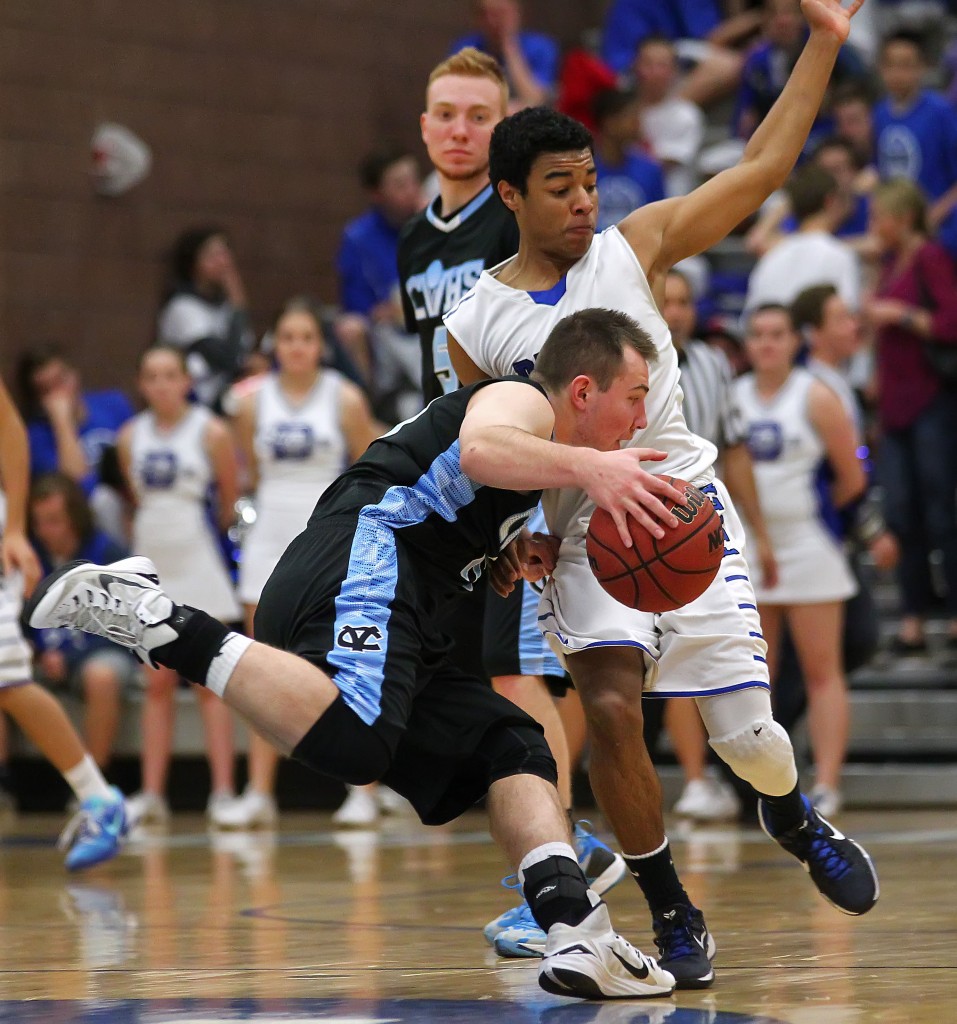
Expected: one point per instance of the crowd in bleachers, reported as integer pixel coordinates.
(853, 276)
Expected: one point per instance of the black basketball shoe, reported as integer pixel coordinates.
(685, 945)
(841, 869)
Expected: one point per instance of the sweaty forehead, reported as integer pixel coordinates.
(580, 160)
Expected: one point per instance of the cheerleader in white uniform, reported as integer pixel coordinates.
(172, 454)
(297, 432)
(802, 442)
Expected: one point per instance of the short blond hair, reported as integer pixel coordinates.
(471, 63)
(902, 196)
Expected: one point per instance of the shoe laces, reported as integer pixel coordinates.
(523, 912)
(673, 934)
(82, 827)
(827, 856)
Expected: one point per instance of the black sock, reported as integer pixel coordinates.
(657, 879)
(784, 812)
(199, 641)
(556, 890)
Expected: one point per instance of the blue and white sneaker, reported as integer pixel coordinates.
(841, 869)
(96, 832)
(521, 937)
(603, 868)
(516, 933)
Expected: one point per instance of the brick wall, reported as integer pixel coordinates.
(257, 112)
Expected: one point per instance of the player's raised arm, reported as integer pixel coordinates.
(664, 233)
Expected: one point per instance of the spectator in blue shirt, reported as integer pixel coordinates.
(629, 22)
(71, 429)
(62, 527)
(769, 64)
(368, 254)
(530, 59)
(704, 41)
(627, 178)
(916, 133)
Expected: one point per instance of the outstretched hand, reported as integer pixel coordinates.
(831, 16)
(617, 483)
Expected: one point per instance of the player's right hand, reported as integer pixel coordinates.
(616, 482)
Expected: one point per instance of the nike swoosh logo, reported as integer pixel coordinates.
(633, 971)
(106, 580)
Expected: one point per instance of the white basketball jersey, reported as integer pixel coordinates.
(300, 449)
(787, 451)
(502, 330)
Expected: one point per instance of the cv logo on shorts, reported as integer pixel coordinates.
(359, 638)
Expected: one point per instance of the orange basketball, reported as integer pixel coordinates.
(659, 575)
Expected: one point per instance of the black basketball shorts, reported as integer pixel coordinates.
(349, 597)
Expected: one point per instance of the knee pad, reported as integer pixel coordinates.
(761, 754)
(517, 750)
(343, 747)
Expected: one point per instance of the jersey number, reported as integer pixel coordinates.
(441, 363)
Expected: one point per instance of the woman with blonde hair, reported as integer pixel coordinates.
(914, 314)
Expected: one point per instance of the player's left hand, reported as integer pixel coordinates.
(18, 556)
(506, 570)
(540, 556)
(831, 16)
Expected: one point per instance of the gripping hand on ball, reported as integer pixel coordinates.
(616, 482)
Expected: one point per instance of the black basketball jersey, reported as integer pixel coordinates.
(411, 482)
(439, 261)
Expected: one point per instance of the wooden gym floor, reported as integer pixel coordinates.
(383, 927)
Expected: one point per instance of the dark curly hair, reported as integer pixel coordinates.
(520, 139)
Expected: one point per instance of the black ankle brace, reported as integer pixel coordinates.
(556, 890)
(192, 652)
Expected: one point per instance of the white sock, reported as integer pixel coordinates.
(234, 647)
(645, 856)
(86, 780)
(543, 852)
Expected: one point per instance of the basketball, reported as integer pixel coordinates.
(659, 575)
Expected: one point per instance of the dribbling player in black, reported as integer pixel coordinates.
(357, 684)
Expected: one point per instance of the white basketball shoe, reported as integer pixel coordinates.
(591, 961)
(122, 602)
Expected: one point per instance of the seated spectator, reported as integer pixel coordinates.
(627, 178)
(852, 110)
(770, 62)
(916, 133)
(62, 526)
(695, 26)
(371, 327)
(530, 60)
(204, 312)
(915, 305)
(673, 127)
(839, 158)
(73, 431)
(811, 255)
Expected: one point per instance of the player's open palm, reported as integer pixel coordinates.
(831, 15)
(616, 482)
